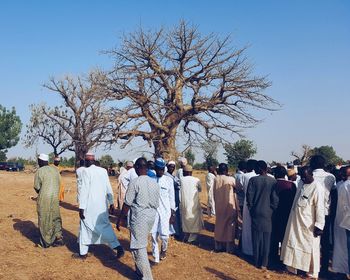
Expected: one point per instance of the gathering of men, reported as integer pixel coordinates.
(283, 213)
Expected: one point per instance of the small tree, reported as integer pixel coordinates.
(10, 128)
(328, 153)
(106, 161)
(189, 155)
(43, 128)
(210, 149)
(240, 150)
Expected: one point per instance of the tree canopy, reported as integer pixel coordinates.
(10, 128)
(328, 153)
(240, 150)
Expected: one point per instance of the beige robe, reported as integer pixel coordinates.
(190, 206)
(226, 208)
(300, 249)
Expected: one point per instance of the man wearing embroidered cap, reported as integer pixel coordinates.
(46, 184)
(56, 163)
(165, 212)
(95, 194)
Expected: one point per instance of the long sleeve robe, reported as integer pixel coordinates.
(95, 194)
(300, 249)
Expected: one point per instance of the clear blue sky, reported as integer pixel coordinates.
(304, 47)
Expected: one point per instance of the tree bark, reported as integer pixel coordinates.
(165, 146)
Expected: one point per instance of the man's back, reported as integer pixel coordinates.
(327, 180)
(261, 201)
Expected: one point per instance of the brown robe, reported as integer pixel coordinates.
(226, 208)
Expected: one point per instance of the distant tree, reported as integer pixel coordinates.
(3, 156)
(328, 153)
(210, 149)
(179, 80)
(303, 157)
(106, 161)
(10, 128)
(241, 150)
(83, 116)
(41, 127)
(189, 155)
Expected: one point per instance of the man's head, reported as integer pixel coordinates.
(292, 174)
(159, 166)
(43, 160)
(347, 172)
(280, 172)
(56, 161)
(212, 169)
(89, 159)
(129, 165)
(187, 170)
(242, 166)
(182, 162)
(150, 165)
(261, 167)
(141, 166)
(251, 164)
(81, 162)
(120, 164)
(223, 169)
(306, 175)
(171, 166)
(317, 162)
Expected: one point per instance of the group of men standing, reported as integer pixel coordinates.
(278, 218)
(286, 220)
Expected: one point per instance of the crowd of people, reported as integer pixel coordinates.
(297, 219)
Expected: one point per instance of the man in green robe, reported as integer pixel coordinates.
(47, 185)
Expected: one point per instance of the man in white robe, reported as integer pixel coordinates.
(247, 243)
(190, 206)
(340, 251)
(209, 181)
(124, 180)
(182, 163)
(165, 212)
(327, 181)
(95, 194)
(301, 243)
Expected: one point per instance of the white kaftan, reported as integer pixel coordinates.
(300, 249)
(340, 250)
(95, 194)
(209, 180)
(247, 243)
(190, 206)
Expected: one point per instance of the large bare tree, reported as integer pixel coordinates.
(42, 128)
(178, 78)
(84, 115)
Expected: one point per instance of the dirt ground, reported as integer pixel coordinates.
(21, 259)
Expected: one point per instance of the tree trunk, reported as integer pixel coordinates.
(80, 152)
(165, 147)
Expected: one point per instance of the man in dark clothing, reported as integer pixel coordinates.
(285, 191)
(261, 202)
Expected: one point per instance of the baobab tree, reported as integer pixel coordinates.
(42, 128)
(177, 80)
(83, 115)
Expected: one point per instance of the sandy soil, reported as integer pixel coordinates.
(21, 259)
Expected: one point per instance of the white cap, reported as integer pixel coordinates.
(171, 162)
(44, 157)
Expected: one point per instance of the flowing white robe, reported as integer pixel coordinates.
(340, 250)
(300, 249)
(95, 194)
(247, 243)
(209, 180)
(190, 206)
(166, 204)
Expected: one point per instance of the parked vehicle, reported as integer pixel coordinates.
(3, 165)
(14, 166)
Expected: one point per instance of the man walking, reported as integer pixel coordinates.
(94, 195)
(261, 201)
(165, 212)
(47, 185)
(209, 181)
(142, 199)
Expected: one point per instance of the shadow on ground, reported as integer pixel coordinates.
(102, 252)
